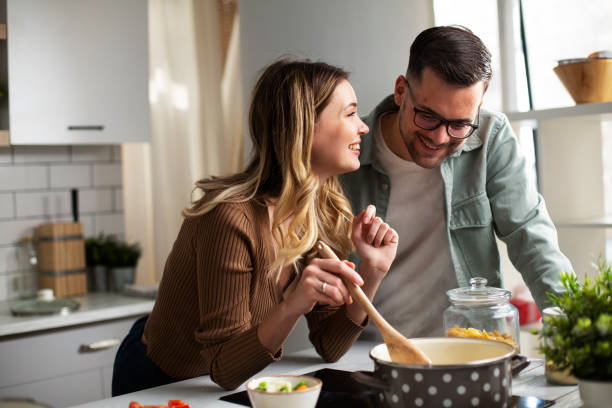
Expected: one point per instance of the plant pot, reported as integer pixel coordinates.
(595, 393)
(97, 278)
(121, 277)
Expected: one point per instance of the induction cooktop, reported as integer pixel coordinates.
(340, 390)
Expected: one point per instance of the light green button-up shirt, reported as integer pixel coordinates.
(487, 192)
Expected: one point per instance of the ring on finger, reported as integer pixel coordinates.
(323, 287)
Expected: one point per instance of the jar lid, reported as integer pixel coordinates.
(44, 304)
(478, 293)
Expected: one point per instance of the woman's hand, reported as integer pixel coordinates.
(374, 240)
(321, 282)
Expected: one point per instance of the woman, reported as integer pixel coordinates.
(241, 272)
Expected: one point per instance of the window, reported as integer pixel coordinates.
(480, 16)
(561, 29)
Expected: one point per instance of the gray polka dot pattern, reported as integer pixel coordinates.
(479, 386)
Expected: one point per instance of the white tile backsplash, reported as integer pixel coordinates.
(89, 225)
(92, 153)
(4, 287)
(107, 174)
(14, 258)
(41, 154)
(15, 229)
(110, 224)
(8, 259)
(117, 153)
(118, 199)
(70, 175)
(54, 204)
(7, 208)
(95, 200)
(21, 284)
(48, 204)
(23, 177)
(35, 183)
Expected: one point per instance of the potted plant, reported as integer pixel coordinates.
(579, 338)
(122, 261)
(111, 262)
(97, 279)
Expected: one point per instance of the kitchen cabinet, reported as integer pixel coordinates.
(575, 169)
(77, 71)
(42, 357)
(54, 367)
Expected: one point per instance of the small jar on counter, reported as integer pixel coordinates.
(482, 311)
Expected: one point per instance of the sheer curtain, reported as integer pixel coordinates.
(196, 113)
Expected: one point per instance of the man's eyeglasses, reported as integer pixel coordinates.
(454, 128)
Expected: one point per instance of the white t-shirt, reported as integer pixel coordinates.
(412, 297)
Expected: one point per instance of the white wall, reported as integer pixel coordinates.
(370, 39)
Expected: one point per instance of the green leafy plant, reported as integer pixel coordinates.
(93, 251)
(127, 255)
(109, 251)
(581, 337)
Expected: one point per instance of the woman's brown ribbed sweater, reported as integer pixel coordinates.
(214, 293)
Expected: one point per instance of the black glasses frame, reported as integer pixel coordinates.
(442, 121)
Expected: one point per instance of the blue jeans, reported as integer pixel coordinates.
(133, 370)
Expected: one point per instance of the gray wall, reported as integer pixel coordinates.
(371, 39)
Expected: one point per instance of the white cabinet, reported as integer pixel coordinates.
(78, 71)
(575, 174)
(51, 366)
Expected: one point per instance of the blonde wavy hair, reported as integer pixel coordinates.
(285, 106)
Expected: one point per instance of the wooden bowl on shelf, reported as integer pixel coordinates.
(587, 80)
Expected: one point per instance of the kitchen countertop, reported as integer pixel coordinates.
(94, 307)
(202, 392)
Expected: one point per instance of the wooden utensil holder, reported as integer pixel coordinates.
(60, 250)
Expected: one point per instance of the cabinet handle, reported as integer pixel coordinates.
(86, 127)
(98, 345)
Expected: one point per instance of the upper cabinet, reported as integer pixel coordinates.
(77, 71)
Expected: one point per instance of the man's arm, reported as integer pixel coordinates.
(520, 216)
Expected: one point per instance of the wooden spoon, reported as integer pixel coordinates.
(401, 349)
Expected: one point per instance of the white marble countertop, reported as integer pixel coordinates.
(94, 307)
(202, 392)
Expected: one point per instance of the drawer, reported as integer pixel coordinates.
(59, 392)
(56, 353)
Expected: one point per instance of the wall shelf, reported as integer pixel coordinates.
(573, 151)
(599, 222)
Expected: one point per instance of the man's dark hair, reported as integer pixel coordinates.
(454, 53)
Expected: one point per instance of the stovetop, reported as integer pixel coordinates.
(340, 390)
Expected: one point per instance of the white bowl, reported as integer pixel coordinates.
(295, 399)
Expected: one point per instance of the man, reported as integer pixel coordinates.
(449, 176)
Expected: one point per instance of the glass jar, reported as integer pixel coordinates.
(482, 311)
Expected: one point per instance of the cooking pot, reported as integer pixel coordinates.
(466, 372)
